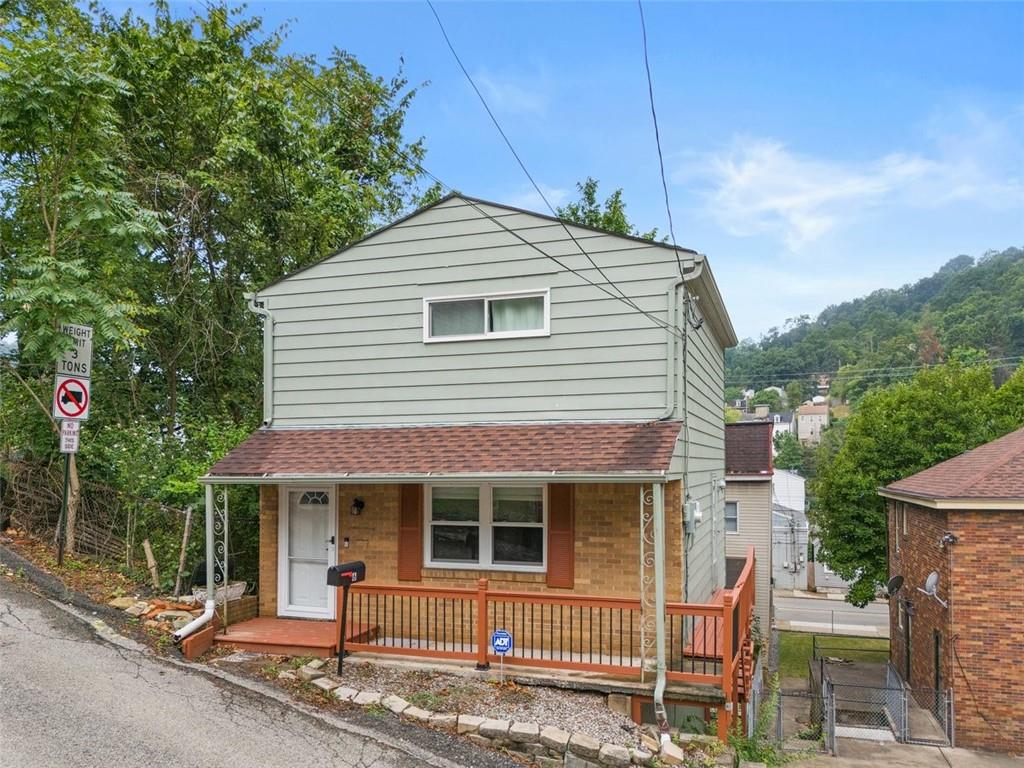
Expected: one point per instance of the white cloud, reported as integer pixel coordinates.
(762, 186)
(513, 95)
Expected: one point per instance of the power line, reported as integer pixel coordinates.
(870, 373)
(519, 159)
(418, 165)
(657, 134)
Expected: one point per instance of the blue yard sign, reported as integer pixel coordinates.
(501, 641)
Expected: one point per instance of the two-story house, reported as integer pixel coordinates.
(811, 419)
(514, 422)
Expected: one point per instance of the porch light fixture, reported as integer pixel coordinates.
(357, 506)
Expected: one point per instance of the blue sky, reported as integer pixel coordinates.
(815, 151)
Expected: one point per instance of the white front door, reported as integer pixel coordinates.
(307, 529)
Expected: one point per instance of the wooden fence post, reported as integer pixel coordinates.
(725, 713)
(481, 625)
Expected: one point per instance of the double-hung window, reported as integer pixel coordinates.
(485, 526)
(487, 316)
(732, 517)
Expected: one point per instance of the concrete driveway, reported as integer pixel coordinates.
(855, 753)
(829, 614)
(70, 697)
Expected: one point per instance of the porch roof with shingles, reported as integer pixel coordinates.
(574, 449)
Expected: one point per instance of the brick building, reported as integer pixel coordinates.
(963, 520)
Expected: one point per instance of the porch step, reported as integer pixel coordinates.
(290, 637)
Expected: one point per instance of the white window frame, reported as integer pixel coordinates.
(725, 518)
(486, 525)
(545, 293)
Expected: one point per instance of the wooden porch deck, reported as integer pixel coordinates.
(291, 637)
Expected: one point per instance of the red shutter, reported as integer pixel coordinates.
(561, 566)
(410, 533)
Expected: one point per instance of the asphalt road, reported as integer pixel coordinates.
(828, 616)
(68, 697)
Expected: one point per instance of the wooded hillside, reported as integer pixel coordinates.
(969, 309)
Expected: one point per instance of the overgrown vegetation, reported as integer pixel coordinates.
(153, 172)
(761, 746)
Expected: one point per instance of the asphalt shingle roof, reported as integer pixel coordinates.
(748, 448)
(592, 448)
(991, 471)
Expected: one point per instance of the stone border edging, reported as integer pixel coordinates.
(546, 746)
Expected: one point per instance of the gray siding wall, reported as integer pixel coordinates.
(705, 466)
(348, 335)
(755, 530)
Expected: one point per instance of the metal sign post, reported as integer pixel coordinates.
(71, 402)
(501, 642)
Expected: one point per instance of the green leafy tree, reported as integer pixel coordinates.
(610, 217)
(153, 171)
(789, 452)
(796, 393)
(895, 432)
(768, 397)
(732, 415)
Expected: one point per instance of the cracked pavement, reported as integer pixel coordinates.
(70, 697)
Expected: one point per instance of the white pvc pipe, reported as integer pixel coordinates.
(196, 623)
(211, 593)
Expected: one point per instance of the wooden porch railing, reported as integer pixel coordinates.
(552, 630)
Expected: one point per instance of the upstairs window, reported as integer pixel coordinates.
(504, 315)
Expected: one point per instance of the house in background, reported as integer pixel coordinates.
(501, 441)
(811, 419)
(748, 507)
(956, 537)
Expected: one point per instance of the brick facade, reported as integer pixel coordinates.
(981, 642)
(607, 536)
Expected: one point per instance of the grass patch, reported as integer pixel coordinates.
(796, 649)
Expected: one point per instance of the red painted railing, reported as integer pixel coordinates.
(556, 630)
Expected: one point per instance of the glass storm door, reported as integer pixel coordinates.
(309, 548)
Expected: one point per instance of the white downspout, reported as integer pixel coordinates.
(670, 352)
(211, 603)
(259, 308)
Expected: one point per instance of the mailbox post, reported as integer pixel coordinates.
(344, 576)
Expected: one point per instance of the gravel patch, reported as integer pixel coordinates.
(573, 711)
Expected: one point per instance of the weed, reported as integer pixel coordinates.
(301, 661)
(376, 709)
(759, 747)
(269, 670)
(426, 700)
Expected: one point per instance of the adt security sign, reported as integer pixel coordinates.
(501, 641)
(69, 436)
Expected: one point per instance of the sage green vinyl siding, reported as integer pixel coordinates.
(705, 380)
(348, 332)
(755, 530)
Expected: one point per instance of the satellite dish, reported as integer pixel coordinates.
(894, 585)
(931, 586)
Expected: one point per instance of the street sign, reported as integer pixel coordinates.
(69, 436)
(70, 398)
(501, 641)
(76, 361)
